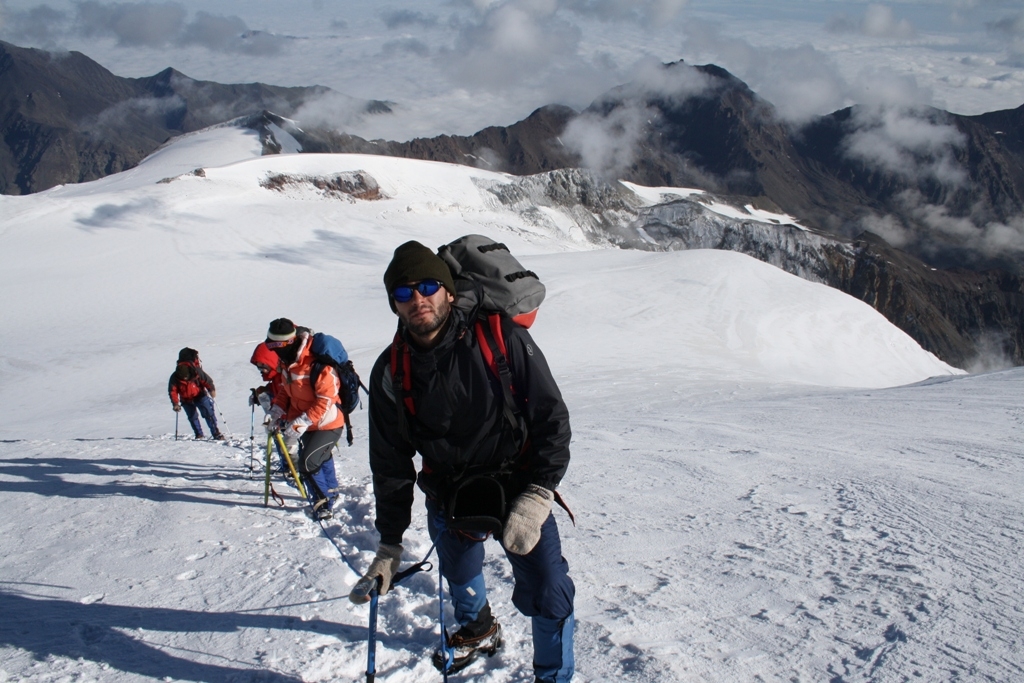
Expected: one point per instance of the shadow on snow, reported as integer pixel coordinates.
(51, 627)
(57, 477)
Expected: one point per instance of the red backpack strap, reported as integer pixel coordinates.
(495, 353)
(401, 383)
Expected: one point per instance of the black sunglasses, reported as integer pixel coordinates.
(403, 293)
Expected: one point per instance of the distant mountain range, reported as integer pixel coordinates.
(920, 213)
(66, 119)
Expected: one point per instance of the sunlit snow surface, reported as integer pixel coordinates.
(751, 500)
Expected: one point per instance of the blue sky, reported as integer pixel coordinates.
(455, 66)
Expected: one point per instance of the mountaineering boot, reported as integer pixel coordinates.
(482, 636)
(322, 509)
(218, 436)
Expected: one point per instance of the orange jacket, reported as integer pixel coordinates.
(298, 398)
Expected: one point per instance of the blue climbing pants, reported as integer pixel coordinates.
(203, 405)
(543, 590)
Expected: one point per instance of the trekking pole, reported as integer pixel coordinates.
(287, 459)
(371, 638)
(216, 409)
(447, 656)
(252, 440)
(176, 414)
(266, 471)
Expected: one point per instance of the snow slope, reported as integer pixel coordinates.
(752, 500)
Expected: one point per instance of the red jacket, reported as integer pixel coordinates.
(188, 382)
(317, 406)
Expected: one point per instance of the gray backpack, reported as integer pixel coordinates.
(505, 285)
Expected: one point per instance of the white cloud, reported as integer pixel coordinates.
(904, 142)
(678, 82)
(132, 24)
(139, 25)
(1010, 30)
(878, 22)
(399, 18)
(1008, 27)
(510, 43)
(801, 82)
(41, 25)
(229, 34)
(607, 143)
(646, 12)
(993, 238)
(889, 228)
(332, 110)
(152, 109)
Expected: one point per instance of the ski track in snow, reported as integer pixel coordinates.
(768, 533)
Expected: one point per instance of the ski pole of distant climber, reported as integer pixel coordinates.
(176, 413)
(223, 422)
(252, 440)
(371, 638)
(266, 471)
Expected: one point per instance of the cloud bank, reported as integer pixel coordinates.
(878, 22)
(1010, 30)
(146, 24)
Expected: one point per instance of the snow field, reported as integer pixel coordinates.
(752, 500)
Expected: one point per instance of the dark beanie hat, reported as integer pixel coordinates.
(281, 329)
(413, 262)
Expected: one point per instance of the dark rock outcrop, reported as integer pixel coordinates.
(524, 148)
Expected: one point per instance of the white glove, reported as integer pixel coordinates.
(529, 511)
(273, 422)
(384, 566)
(297, 427)
(265, 402)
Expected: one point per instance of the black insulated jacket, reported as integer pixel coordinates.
(459, 427)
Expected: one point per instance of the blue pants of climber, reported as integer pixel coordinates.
(543, 590)
(315, 462)
(203, 405)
